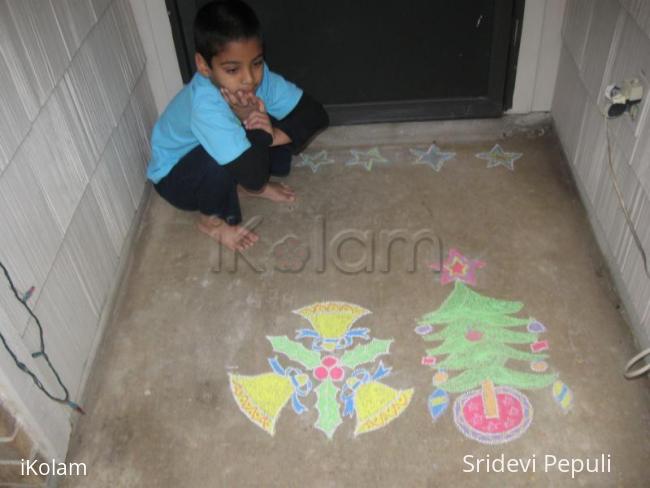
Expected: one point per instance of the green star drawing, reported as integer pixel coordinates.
(314, 161)
(432, 157)
(366, 158)
(497, 156)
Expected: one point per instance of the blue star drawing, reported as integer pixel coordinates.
(497, 156)
(366, 158)
(314, 161)
(432, 157)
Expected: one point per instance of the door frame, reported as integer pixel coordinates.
(533, 91)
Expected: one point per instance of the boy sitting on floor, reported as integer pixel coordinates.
(231, 127)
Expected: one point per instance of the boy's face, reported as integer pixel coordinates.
(239, 66)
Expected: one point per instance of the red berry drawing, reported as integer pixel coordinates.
(320, 373)
(329, 361)
(329, 369)
(336, 374)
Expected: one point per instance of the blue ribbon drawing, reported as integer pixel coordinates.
(340, 342)
(363, 375)
(299, 391)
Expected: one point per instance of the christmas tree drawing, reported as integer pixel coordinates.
(479, 354)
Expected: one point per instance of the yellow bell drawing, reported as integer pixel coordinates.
(377, 404)
(332, 319)
(261, 397)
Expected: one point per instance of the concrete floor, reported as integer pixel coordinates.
(160, 410)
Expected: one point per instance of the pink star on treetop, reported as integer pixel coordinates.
(458, 268)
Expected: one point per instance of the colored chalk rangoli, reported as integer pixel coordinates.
(457, 267)
(337, 364)
(314, 161)
(498, 157)
(432, 157)
(366, 158)
(478, 338)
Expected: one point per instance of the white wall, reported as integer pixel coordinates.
(75, 112)
(606, 41)
(164, 75)
(539, 54)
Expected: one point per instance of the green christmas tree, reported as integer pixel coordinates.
(477, 341)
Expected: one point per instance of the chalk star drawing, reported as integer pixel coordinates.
(314, 161)
(476, 337)
(457, 267)
(498, 157)
(366, 158)
(344, 387)
(432, 157)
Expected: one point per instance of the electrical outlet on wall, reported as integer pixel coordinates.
(623, 97)
(626, 99)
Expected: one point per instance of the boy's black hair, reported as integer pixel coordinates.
(218, 23)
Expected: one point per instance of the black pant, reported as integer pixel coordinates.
(198, 182)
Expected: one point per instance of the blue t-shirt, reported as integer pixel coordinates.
(198, 114)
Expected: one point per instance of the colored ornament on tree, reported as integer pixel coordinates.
(428, 360)
(333, 367)
(539, 366)
(536, 327)
(474, 335)
(423, 329)
(438, 403)
(563, 396)
(440, 377)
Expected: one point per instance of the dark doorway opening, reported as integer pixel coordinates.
(380, 60)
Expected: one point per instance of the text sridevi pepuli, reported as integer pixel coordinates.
(546, 464)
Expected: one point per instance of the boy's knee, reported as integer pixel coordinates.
(322, 118)
(255, 184)
(255, 180)
(315, 117)
(251, 168)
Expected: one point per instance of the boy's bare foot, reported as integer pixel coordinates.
(234, 237)
(276, 192)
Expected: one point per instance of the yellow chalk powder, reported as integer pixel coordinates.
(332, 319)
(261, 397)
(378, 404)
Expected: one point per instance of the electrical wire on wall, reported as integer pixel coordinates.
(628, 373)
(65, 399)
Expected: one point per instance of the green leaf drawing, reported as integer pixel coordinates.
(329, 415)
(472, 378)
(366, 353)
(295, 351)
(465, 304)
(484, 354)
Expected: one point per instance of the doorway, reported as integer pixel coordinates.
(382, 61)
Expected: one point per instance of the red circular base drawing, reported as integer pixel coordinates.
(515, 416)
